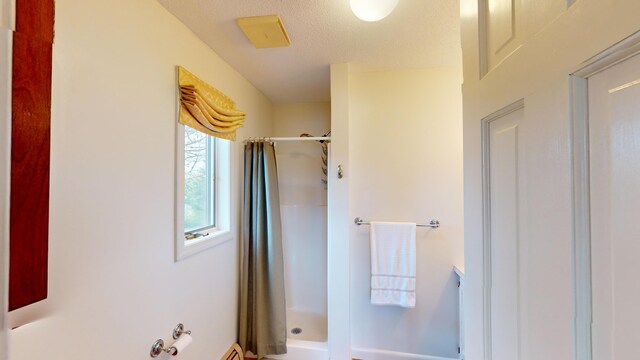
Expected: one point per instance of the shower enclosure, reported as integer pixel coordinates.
(303, 204)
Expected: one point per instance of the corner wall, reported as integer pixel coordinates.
(114, 286)
(405, 151)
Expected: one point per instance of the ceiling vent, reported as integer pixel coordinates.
(265, 31)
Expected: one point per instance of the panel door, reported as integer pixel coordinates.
(614, 121)
(504, 240)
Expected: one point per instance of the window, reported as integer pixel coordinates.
(203, 191)
(199, 183)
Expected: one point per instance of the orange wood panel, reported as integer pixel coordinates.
(30, 152)
(35, 18)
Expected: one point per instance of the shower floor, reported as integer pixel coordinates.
(304, 325)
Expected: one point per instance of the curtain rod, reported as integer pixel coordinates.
(318, 138)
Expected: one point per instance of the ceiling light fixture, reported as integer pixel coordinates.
(372, 10)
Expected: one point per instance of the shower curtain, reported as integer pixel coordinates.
(262, 327)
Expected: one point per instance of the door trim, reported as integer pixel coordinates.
(7, 17)
(486, 220)
(581, 227)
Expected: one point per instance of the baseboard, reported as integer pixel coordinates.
(377, 354)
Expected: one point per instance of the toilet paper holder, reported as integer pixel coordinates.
(158, 347)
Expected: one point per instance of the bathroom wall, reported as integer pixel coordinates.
(405, 155)
(5, 119)
(299, 166)
(303, 198)
(113, 284)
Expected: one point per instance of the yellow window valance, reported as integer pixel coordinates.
(206, 108)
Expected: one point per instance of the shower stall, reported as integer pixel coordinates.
(303, 206)
(302, 183)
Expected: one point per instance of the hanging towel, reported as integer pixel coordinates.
(393, 264)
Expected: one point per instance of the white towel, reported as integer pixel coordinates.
(393, 264)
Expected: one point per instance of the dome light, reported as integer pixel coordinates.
(372, 10)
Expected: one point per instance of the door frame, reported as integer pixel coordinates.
(7, 19)
(581, 227)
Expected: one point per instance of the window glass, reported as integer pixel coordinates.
(199, 181)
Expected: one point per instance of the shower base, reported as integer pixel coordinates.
(307, 336)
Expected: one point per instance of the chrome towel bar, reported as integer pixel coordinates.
(434, 224)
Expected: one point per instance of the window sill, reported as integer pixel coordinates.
(187, 248)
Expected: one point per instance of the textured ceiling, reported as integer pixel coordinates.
(417, 34)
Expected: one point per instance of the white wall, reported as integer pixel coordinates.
(555, 41)
(338, 225)
(7, 14)
(303, 202)
(114, 287)
(5, 160)
(299, 163)
(405, 151)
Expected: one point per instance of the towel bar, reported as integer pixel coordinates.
(434, 224)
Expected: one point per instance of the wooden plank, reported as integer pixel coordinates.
(35, 18)
(30, 157)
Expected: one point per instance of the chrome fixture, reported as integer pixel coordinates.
(434, 224)
(158, 347)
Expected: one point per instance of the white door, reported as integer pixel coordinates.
(503, 304)
(614, 122)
